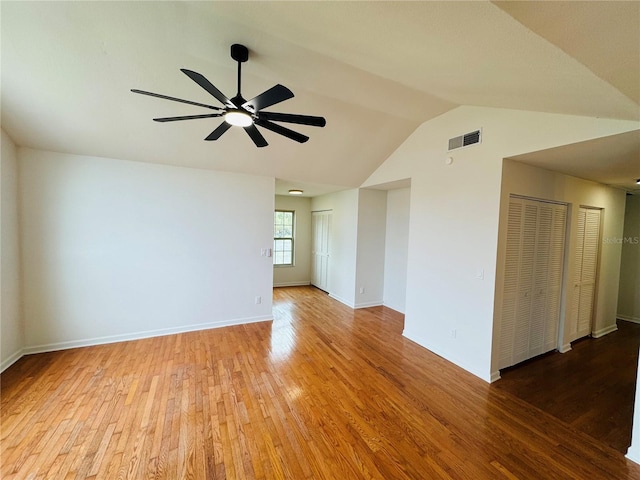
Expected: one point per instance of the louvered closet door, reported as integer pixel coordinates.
(586, 263)
(532, 280)
(540, 281)
(510, 288)
(554, 277)
(525, 283)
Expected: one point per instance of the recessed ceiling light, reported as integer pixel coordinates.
(295, 192)
(638, 181)
(238, 118)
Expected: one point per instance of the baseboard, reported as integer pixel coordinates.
(51, 347)
(604, 331)
(393, 307)
(368, 304)
(342, 300)
(11, 360)
(495, 376)
(565, 348)
(355, 305)
(486, 376)
(629, 319)
(291, 284)
(633, 456)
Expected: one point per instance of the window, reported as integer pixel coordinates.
(283, 237)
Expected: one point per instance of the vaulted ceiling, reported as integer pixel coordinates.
(375, 70)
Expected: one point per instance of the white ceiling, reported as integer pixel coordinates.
(375, 70)
(584, 160)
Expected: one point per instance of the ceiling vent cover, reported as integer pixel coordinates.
(465, 140)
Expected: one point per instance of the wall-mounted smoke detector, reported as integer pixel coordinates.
(465, 140)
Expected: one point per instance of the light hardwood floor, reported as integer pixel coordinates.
(322, 392)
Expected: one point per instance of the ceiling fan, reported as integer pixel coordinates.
(244, 113)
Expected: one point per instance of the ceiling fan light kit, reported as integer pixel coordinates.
(239, 112)
(238, 118)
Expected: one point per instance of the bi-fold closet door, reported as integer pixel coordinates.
(532, 279)
(586, 264)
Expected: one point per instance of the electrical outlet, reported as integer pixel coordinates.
(361, 289)
(454, 333)
(258, 300)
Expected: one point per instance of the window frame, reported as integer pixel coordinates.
(292, 238)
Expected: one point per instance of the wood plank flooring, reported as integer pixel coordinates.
(322, 392)
(591, 387)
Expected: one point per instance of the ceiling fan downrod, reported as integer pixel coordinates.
(240, 54)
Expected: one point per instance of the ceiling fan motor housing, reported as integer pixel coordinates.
(239, 53)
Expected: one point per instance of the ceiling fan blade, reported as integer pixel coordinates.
(188, 117)
(208, 86)
(217, 133)
(291, 118)
(166, 97)
(298, 137)
(274, 95)
(256, 136)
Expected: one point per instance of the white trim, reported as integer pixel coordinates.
(291, 284)
(50, 347)
(633, 456)
(604, 331)
(368, 304)
(536, 199)
(342, 300)
(11, 360)
(495, 376)
(565, 348)
(629, 319)
(392, 307)
(486, 376)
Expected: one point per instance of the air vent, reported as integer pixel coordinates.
(465, 140)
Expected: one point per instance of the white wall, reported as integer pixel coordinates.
(396, 246)
(11, 325)
(343, 242)
(634, 449)
(113, 250)
(629, 295)
(372, 216)
(521, 179)
(300, 272)
(454, 219)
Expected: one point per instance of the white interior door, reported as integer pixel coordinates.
(586, 263)
(320, 248)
